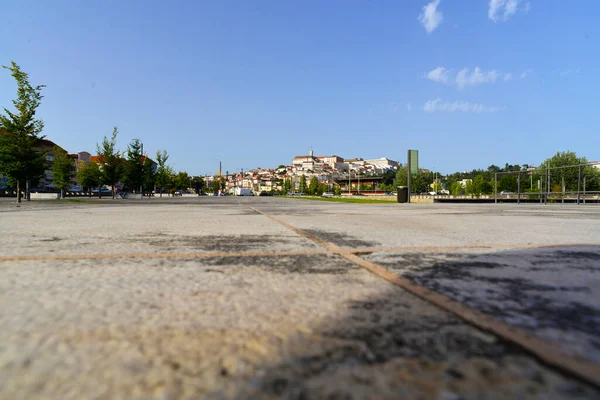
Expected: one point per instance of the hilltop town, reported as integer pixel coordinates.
(327, 170)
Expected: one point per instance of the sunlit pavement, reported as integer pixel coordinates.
(263, 298)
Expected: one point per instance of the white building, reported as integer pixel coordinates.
(383, 163)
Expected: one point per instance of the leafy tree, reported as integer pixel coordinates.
(133, 175)
(63, 169)
(216, 184)
(149, 175)
(198, 184)
(302, 184)
(182, 181)
(112, 164)
(287, 186)
(89, 176)
(388, 178)
(456, 188)
(436, 186)
(337, 190)
(419, 181)
(571, 175)
(507, 182)
(322, 188)
(313, 185)
(20, 158)
(163, 172)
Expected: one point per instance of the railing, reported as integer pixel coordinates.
(567, 184)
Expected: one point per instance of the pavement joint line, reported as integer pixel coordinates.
(544, 350)
(334, 250)
(162, 255)
(435, 249)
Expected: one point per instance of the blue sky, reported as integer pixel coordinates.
(254, 83)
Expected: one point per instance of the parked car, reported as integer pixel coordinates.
(443, 192)
(357, 194)
(263, 193)
(328, 194)
(506, 192)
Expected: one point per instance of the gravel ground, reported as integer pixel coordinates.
(172, 325)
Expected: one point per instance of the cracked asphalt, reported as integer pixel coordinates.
(207, 298)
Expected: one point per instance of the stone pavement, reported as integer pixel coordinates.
(209, 298)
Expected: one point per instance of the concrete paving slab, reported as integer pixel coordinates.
(551, 292)
(268, 326)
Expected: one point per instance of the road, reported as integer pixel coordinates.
(225, 297)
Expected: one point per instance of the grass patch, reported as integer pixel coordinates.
(342, 199)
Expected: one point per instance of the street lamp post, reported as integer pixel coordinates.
(141, 177)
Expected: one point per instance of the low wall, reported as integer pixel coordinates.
(45, 196)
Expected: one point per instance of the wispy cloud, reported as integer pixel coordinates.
(430, 17)
(440, 74)
(568, 72)
(503, 9)
(409, 107)
(465, 77)
(525, 73)
(457, 106)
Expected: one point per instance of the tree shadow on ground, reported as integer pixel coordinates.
(395, 345)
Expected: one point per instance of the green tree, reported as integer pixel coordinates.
(133, 174)
(112, 165)
(456, 188)
(287, 186)
(337, 190)
(149, 175)
(216, 183)
(198, 184)
(63, 170)
(571, 175)
(89, 176)
(163, 172)
(419, 182)
(20, 158)
(313, 186)
(182, 181)
(436, 186)
(302, 187)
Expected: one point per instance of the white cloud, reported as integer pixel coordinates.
(568, 72)
(511, 8)
(460, 106)
(440, 74)
(507, 77)
(409, 107)
(430, 17)
(503, 9)
(525, 74)
(476, 77)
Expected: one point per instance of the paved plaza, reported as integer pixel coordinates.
(269, 298)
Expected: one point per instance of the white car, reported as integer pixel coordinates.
(328, 194)
(506, 192)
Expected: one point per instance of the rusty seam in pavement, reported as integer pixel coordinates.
(546, 351)
(162, 255)
(335, 250)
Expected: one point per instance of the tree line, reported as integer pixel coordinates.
(479, 181)
(23, 161)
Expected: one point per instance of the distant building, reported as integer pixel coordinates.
(384, 163)
(331, 160)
